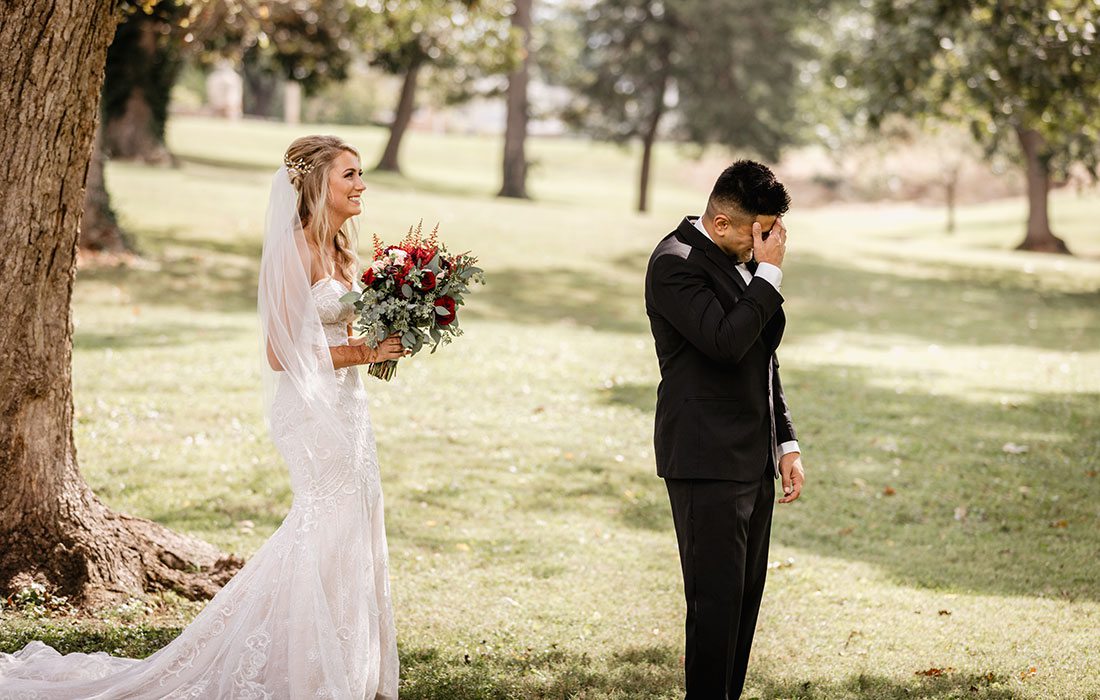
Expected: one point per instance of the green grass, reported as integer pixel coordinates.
(532, 546)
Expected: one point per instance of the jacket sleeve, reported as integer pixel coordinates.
(784, 426)
(683, 296)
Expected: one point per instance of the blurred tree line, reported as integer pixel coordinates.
(752, 75)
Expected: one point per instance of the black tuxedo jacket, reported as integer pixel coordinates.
(714, 335)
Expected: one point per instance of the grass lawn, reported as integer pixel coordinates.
(532, 546)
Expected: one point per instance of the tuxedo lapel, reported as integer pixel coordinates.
(697, 240)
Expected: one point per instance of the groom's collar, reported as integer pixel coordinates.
(696, 238)
(700, 241)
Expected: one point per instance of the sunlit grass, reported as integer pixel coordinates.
(533, 552)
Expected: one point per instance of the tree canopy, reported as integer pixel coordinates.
(1025, 72)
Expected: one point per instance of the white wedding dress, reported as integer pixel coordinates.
(309, 615)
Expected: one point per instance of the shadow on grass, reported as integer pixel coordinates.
(611, 299)
(642, 672)
(921, 486)
(147, 335)
(977, 307)
(651, 672)
(191, 281)
(507, 674)
(950, 685)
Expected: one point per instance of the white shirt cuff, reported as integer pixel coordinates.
(789, 446)
(771, 274)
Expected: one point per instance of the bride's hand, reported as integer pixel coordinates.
(388, 349)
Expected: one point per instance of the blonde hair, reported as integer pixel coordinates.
(309, 161)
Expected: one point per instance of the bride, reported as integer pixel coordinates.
(310, 614)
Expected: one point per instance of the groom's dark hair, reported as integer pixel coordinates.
(749, 188)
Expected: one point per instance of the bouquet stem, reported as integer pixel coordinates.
(383, 370)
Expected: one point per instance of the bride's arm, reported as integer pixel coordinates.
(348, 355)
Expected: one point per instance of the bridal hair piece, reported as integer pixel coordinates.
(298, 165)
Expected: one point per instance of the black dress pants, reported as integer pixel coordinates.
(723, 529)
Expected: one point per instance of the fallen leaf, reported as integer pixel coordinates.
(889, 491)
(1014, 449)
(846, 531)
(1091, 473)
(935, 672)
(1031, 671)
(945, 612)
(1059, 523)
(462, 547)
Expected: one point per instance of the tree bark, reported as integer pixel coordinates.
(53, 528)
(1039, 237)
(99, 229)
(134, 131)
(515, 132)
(649, 138)
(405, 106)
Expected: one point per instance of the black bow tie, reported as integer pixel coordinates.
(751, 265)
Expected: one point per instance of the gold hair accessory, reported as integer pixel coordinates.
(298, 164)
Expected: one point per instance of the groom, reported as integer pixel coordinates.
(723, 432)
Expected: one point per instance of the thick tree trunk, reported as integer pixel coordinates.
(134, 130)
(261, 87)
(649, 138)
(1039, 237)
(99, 229)
(405, 106)
(53, 528)
(515, 132)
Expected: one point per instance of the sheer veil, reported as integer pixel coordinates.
(291, 332)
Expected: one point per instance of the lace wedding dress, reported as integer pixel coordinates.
(309, 615)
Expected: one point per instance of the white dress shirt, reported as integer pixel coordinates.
(773, 276)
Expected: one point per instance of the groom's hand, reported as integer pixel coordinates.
(772, 249)
(790, 468)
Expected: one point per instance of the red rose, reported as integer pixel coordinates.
(448, 305)
(368, 277)
(427, 280)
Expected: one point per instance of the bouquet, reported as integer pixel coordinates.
(412, 289)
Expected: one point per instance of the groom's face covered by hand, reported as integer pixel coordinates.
(732, 231)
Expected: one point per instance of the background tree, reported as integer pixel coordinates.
(515, 131)
(143, 62)
(312, 44)
(1025, 73)
(53, 527)
(463, 39)
(274, 40)
(725, 69)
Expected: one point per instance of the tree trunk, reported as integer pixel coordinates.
(515, 132)
(99, 229)
(951, 190)
(133, 126)
(405, 106)
(53, 528)
(649, 138)
(1039, 237)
